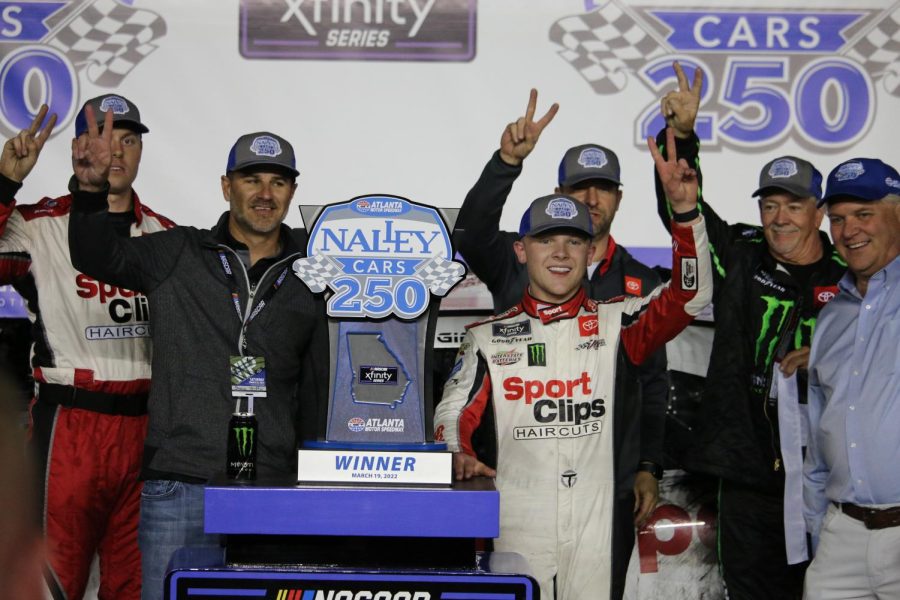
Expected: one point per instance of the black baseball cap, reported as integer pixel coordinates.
(586, 162)
(262, 149)
(556, 211)
(793, 175)
(125, 114)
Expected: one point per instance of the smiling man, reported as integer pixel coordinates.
(547, 369)
(851, 482)
(215, 295)
(91, 358)
(590, 174)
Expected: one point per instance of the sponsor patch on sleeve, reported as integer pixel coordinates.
(633, 286)
(688, 273)
(822, 295)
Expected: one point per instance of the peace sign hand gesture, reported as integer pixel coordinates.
(679, 180)
(92, 152)
(520, 137)
(20, 153)
(679, 107)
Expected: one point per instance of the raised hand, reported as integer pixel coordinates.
(679, 107)
(520, 137)
(92, 152)
(679, 180)
(20, 153)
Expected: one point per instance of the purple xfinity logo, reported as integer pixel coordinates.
(358, 29)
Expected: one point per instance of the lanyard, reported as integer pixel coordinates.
(235, 293)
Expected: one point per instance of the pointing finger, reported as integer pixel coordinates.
(38, 119)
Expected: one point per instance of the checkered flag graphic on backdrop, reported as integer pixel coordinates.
(316, 271)
(440, 275)
(109, 39)
(604, 45)
(879, 52)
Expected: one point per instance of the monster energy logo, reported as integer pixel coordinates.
(537, 355)
(778, 310)
(773, 306)
(244, 438)
(808, 325)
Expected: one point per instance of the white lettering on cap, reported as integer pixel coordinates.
(115, 104)
(850, 170)
(592, 158)
(561, 208)
(265, 145)
(783, 168)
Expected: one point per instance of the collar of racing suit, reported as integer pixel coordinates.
(548, 313)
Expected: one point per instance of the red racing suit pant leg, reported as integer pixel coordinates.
(92, 497)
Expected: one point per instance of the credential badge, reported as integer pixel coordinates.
(561, 208)
(783, 168)
(592, 158)
(265, 145)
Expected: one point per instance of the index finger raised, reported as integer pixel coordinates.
(108, 126)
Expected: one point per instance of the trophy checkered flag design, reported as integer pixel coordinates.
(878, 51)
(109, 39)
(604, 45)
(440, 275)
(316, 271)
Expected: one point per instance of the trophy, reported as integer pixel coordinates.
(386, 260)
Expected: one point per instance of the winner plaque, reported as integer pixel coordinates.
(385, 262)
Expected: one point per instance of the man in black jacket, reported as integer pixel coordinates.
(769, 284)
(590, 174)
(214, 295)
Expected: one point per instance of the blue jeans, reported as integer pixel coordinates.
(171, 518)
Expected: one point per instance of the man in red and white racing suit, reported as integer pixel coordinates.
(546, 368)
(90, 360)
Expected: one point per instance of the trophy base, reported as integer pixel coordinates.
(375, 464)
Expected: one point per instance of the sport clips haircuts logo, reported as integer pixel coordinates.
(49, 45)
(358, 29)
(796, 71)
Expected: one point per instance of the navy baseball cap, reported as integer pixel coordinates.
(262, 149)
(793, 175)
(556, 211)
(866, 179)
(125, 114)
(586, 162)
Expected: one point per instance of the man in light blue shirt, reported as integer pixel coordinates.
(852, 466)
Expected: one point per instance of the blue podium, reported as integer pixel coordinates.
(290, 542)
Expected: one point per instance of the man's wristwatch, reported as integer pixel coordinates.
(652, 468)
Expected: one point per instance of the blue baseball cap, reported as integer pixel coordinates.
(125, 114)
(790, 174)
(586, 162)
(556, 211)
(261, 150)
(866, 179)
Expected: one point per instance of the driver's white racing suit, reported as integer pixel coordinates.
(548, 375)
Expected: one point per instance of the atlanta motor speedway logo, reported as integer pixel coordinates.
(797, 71)
(48, 45)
